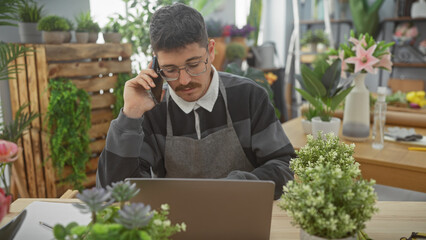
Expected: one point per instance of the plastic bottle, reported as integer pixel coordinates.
(379, 119)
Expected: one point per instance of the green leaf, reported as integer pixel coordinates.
(312, 100)
(312, 82)
(331, 77)
(339, 98)
(321, 67)
(59, 232)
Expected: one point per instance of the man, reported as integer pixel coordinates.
(209, 125)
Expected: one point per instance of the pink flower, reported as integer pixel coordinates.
(8, 151)
(344, 64)
(412, 32)
(385, 62)
(5, 201)
(356, 42)
(364, 59)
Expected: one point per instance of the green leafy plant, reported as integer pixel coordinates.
(365, 17)
(317, 36)
(325, 151)
(329, 199)
(235, 51)
(332, 205)
(119, 91)
(310, 113)
(68, 124)
(254, 19)
(320, 87)
(83, 21)
(257, 76)
(112, 26)
(127, 221)
(29, 11)
(53, 23)
(8, 13)
(9, 52)
(13, 131)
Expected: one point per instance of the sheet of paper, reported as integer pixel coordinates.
(50, 213)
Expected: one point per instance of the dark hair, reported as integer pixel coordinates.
(175, 26)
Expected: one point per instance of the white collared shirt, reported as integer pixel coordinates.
(207, 101)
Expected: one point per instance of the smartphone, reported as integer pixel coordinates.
(157, 90)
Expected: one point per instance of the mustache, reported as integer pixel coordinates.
(189, 85)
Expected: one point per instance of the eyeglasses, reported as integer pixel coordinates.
(194, 69)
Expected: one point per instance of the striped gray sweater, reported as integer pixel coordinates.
(133, 146)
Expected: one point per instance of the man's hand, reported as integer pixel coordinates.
(136, 98)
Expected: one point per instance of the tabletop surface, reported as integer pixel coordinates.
(393, 221)
(394, 165)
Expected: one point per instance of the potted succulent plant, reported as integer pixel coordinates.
(119, 221)
(29, 13)
(111, 31)
(329, 199)
(83, 21)
(320, 87)
(54, 28)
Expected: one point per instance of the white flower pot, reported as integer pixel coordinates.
(306, 236)
(326, 127)
(307, 126)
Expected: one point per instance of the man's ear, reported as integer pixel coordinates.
(211, 49)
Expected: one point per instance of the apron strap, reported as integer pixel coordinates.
(225, 99)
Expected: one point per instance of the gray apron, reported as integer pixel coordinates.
(214, 156)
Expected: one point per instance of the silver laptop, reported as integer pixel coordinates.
(212, 208)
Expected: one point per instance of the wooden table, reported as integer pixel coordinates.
(394, 165)
(394, 220)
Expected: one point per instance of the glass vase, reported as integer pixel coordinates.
(356, 116)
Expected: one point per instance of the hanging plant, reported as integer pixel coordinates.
(68, 124)
(118, 92)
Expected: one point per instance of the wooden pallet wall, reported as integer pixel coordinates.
(92, 67)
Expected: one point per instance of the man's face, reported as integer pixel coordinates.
(189, 88)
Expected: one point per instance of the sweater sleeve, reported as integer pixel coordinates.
(121, 158)
(270, 145)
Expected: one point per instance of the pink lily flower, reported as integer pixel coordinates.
(364, 59)
(344, 64)
(385, 62)
(356, 42)
(8, 151)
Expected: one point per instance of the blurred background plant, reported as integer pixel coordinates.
(258, 77)
(29, 11)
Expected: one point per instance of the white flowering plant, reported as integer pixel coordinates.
(122, 221)
(329, 199)
(326, 149)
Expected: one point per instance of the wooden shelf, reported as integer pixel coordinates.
(403, 19)
(318, 22)
(408, 65)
